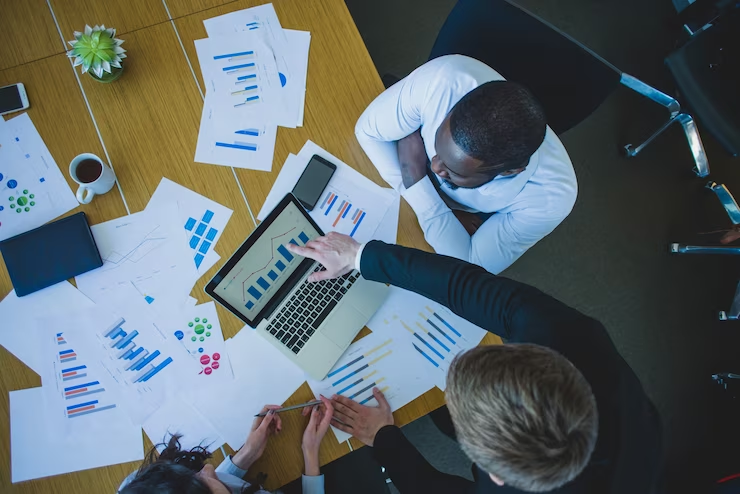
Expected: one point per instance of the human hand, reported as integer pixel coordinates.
(335, 251)
(361, 421)
(470, 221)
(413, 158)
(262, 429)
(318, 424)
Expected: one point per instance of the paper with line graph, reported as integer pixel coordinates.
(146, 250)
(431, 335)
(377, 360)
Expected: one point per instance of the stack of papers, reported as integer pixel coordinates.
(32, 188)
(120, 351)
(255, 76)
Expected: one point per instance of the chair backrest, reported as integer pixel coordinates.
(568, 79)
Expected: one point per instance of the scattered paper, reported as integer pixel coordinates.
(432, 335)
(145, 250)
(198, 330)
(376, 361)
(32, 188)
(176, 416)
(18, 331)
(38, 450)
(202, 220)
(351, 203)
(263, 376)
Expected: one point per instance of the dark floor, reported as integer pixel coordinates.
(610, 258)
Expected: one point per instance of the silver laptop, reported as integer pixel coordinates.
(266, 286)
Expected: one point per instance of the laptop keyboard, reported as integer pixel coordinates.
(307, 308)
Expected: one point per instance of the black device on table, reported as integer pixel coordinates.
(49, 254)
(13, 98)
(313, 181)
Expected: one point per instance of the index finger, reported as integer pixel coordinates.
(305, 251)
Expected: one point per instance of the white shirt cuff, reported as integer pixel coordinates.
(359, 257)
(227, 466)
(423, 197)
(312, 485)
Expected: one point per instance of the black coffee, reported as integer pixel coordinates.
(89, 171)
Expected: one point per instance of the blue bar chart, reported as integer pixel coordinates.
(261, 283)
(202, 235)
(143, 363)
(348, 217)
(356, 379)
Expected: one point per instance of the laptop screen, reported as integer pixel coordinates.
(265, 267)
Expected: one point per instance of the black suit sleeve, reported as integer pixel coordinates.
(409, 470)
(510, 309)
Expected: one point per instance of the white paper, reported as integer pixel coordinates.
(198, 330)
(388, 229)
(147, 366)
(18, 331)
(145, 250)
(176, 416)
(37, 450)
(202, 219)
(432, 335)
(32, 188)
(298, 43)
(262, 21)
(247, 142)
(350, 204)
(263, 376)
(377, 360)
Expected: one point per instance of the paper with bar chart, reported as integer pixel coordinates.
(241, 76)
(202, 219)
(289, 48)
(432, 334)
(377, 360)
(145, 366)
(263, 269)
(350, 204)
(226, 140)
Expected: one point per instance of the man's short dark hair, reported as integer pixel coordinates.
(524, 413)
(499, 123)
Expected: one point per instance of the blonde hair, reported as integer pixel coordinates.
(523, 413)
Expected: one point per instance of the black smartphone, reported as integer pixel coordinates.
(313, 181)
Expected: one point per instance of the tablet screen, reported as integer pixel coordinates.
(263, 269)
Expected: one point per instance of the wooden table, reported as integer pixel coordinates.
(146, 125)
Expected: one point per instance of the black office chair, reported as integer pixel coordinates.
(707, 73)
(568, 79)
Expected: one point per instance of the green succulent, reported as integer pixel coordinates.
(97, 50)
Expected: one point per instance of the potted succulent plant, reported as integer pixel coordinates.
(99, 53)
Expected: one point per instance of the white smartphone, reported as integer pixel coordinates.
(13, 98)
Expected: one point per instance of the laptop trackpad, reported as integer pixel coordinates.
(343, 325)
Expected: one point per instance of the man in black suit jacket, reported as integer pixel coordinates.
(555, 409)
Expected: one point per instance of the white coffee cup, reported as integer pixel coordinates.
(93, 180)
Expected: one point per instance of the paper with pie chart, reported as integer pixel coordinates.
(32, 189)
(199, 331)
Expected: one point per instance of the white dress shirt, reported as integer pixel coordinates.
(527, 206)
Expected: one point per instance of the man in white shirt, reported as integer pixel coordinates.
(498, 180)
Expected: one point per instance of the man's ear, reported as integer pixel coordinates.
(496, 480)
(515, 171)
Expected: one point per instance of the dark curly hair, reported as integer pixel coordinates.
(500, 123)
(173, 471)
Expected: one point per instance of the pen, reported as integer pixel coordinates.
(307, 404)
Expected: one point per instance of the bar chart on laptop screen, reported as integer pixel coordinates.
(268, 262)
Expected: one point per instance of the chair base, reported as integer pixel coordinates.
(701, 163)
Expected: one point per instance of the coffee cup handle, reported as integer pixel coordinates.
(85, 198)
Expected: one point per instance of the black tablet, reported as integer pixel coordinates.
(49, 254)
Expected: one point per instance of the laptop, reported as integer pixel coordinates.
(266, 286)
